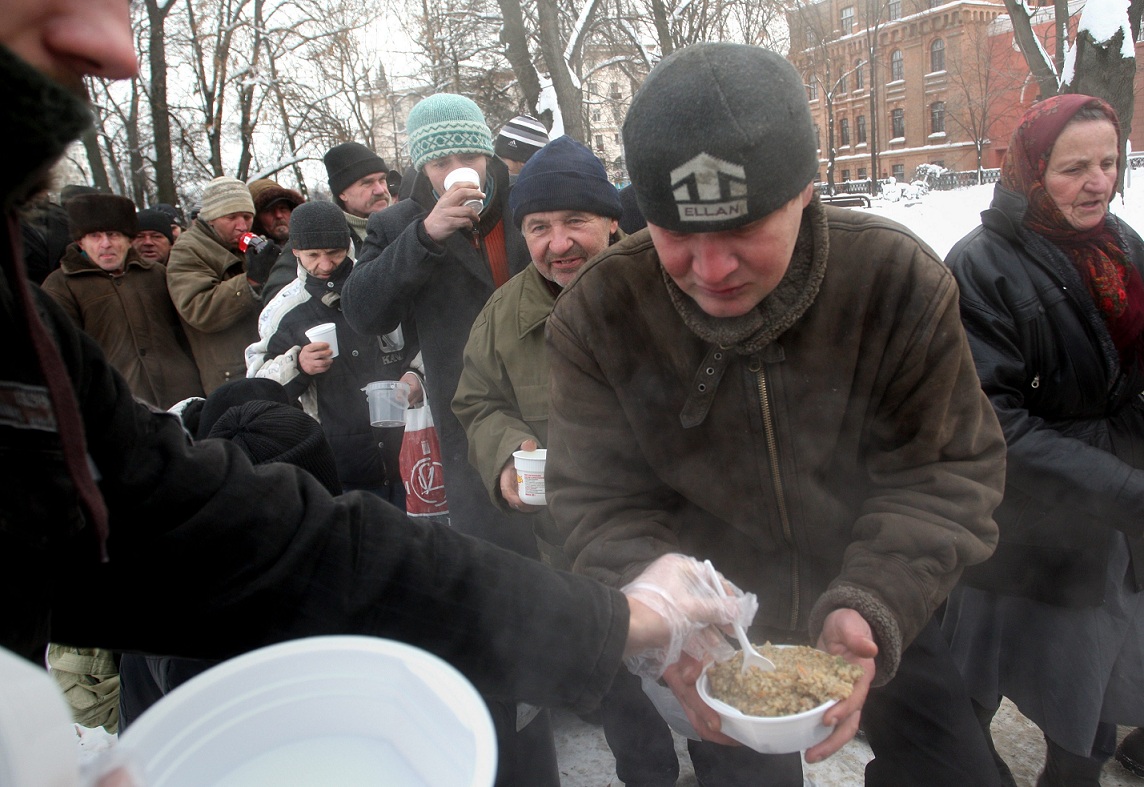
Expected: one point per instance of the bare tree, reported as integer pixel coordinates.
(980, 87)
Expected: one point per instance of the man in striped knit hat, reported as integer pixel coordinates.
(518, 140)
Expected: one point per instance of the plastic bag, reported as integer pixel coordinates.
(420, 463)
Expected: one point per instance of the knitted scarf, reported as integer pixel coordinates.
(1098, 253)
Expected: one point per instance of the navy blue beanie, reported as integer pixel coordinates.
(563, 175)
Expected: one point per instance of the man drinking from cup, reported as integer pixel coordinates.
(437, 258)
(329, 383)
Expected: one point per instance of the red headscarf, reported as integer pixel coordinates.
(1114, 284)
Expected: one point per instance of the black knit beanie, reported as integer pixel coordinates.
(563, 175)
(319, 225)
(274, 432)
(348, 163)
(718, 136)
(101, 213)
(155, 221)
(236, 392)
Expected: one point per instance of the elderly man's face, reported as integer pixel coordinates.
(561, 241)
(107, 249)
(728, 273)
(366, 195)
(70, 39)
(275, 220)
(152, 246)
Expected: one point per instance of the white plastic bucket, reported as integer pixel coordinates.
(388, 401)
(339, 710)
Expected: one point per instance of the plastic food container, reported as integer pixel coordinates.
(339, 710)
(769, 734)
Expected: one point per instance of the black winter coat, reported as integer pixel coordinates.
(402, 272)
(1073, 418)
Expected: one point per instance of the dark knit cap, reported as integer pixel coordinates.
(520, 138)
(319, 225)
(563, 175)
(265, 192)
(101, 213)
(276, 432)
(348, 163)
(74, 190)
(718, 136)
(171, 212)
(155, 221)
(236, 392)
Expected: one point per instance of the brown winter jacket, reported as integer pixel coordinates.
(849, 460)
(132, 318)
(219, 309)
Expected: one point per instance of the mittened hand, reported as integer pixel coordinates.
(259, 263)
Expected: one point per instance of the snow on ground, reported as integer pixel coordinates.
(942, 218)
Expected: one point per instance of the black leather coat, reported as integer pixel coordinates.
(1073, 418)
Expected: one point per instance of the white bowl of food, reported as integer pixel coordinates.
(778, 712)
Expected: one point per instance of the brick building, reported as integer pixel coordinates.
(947, 86)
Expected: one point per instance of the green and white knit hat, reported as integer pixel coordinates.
(444, 124)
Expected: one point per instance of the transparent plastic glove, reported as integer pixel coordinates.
(691, 608)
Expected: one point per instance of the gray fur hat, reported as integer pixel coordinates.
(718, 136)
(319, 225)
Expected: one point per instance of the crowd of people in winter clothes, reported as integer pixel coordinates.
(934, 469)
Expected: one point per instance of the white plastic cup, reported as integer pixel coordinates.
(388, 401)
(326, 332)
(530, 475)
(465, 175)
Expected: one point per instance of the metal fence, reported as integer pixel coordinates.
(947, 181)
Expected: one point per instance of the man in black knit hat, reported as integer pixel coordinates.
(784, 388)
(359, 184)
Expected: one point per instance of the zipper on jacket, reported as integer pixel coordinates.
(777, 483)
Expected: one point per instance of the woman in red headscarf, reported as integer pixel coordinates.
(1053, 302)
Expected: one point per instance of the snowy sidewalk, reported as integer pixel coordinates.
(586, 761)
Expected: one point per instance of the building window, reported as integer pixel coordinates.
(844, 131)
(937, 55)
(937, 117)
(614, 89)
(861, 129)
(898, 123)
(817, 137)
(599, 142)
(811, 88)
(859, 67)
(897, 70)
(894, 9)
(616, 138)
(845, 175)
(899, 172)
(848, 19)
(842, 83)
(595, 116)
(861, 173)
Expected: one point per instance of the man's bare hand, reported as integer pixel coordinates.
(316, 358)
(451, 214)
(681, 678)
(845, 633)
(508, 486)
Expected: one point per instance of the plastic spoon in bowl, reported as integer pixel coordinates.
(751, 657)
